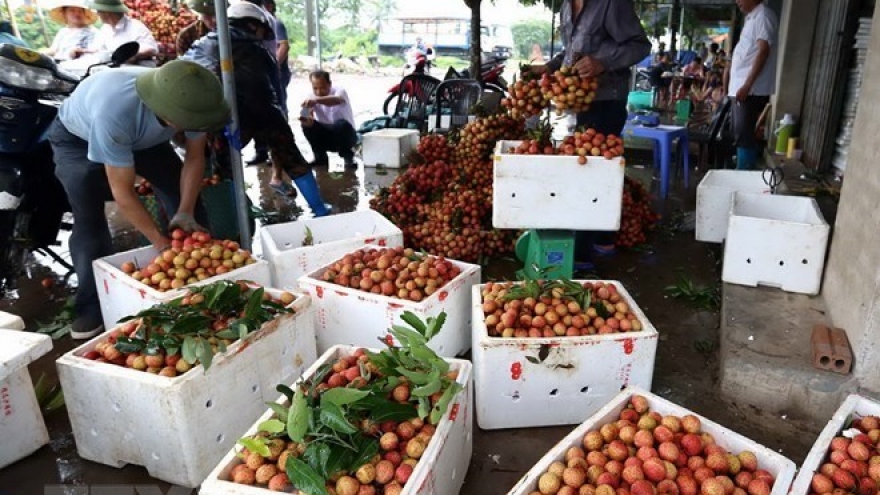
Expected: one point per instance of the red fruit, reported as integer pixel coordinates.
(839, 443)
(643, 438)
(874, 471)
(728, 484)
(642, 487)
(630, 415)
(609, 479)
(402, 473)
(843, 479)
(645, 453)
(93, 355)
(633, 461)
(763, 474)
(48, 282)
(713, 448)
(351, 373)
(614, 467)
(687, 485)
(858, 451)
(703, 474)
(388, 426)
(867, 486)
(668, 451)
(821, 484)
(696, 462)
(667, 487)
(758, 487)
(838, 456)
(858, 469)
(593, 441)
(389, 441)
(654, 469)
(718, 463)
(618, 451)
(691, 444)
(748, 460)
(828, 469)
(712, 486)
(663, 434)
(743, 478)
(394, 457)
(631, 474)
(691, 423)
(639, 403)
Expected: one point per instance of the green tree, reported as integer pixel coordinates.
(378, 11)
(31, 30)
(528, 33)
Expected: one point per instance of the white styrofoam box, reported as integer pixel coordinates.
(121, 296)
(389, 147)
(10, 321)
(855, 406)
(714, 195)
(776, 464)
(441, 469)
(179, 428)
(525, 382)
(445, 121)
(332, 237)
(353, 317)
(778, 241)
(555, 192)
(21, 421)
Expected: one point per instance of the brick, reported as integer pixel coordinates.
(831, 350)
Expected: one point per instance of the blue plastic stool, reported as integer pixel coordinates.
(664, 136)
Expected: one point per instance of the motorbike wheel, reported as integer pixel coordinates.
(388, 104)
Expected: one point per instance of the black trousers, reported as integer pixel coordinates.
(744, 117)
(338, 137)
(607, 117)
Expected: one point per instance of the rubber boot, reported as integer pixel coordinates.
(746, 158)
(308, 186)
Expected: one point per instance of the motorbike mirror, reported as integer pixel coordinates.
(124, 53)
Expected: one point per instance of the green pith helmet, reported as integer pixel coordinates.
(108, 6)
(204, 7)
(185, 94)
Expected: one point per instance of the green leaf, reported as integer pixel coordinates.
(367, 447)
(207, 353)
(340, 459)
(221, 347)
(333, 417)
(188, 351)
(242, 330)
(381, 409)
(254, 304)
(304, 477)
(424, 407)
(298, 417)
(343, 396)
(280, 411)
(435, 325)
(127, 345)
(417, 377)
(318, 455)
(414, 321)
(227, 334)
(428, 389)
(271, 426)
(443, 404)
(256, 444)
(407, 337)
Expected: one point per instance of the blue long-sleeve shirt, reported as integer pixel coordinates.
(609, 31)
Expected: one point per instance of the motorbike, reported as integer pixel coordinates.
(491, 70)
(32, 200)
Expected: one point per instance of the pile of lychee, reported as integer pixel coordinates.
(525, 97)
(401, 443)
(511, 312)
(853, 464)
(393, 272)
(192, 258)
(646, 453)
(568, 91)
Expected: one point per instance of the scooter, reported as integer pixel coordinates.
(32, 200)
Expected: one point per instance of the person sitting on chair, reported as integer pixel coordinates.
(328, 121)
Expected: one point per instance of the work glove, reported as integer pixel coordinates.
(185, 222)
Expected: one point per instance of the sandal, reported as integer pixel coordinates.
(283, 188)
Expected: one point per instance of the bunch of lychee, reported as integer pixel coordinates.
(554, 314)
(646, 453)
(853, 465)
(192, 258)
(569, 91)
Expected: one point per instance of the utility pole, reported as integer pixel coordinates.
(311, 32)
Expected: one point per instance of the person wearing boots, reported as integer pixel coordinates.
(257, 99)
(328, 121)
(206, 23)
(750, 78)
(115, 126)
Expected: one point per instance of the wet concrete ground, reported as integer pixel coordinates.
(685, 370)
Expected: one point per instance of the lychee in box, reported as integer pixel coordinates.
(297, 248)
(179, 421)
(556, 373)
(439, 468)
(648, 445)
(360, 316)
(121, 295)
(845, 456)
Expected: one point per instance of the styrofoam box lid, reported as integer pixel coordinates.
(392, 133)
(18, 349)
(791, 209)
(779, 466)
(288, 236)
(75, 356)
(740, 180)
(648, 329)
(314, 279)
(10, 321)
(855, 406)
(216, 480)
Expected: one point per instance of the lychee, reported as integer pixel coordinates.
(401, 393)
(243, 475)
(858, 451)
(645, 453)
(712, 486)
(254, 460)
(703, 474)
(874, 471)
(858, 469)
(718, 463)
(596, 458)
(618, 451)
(763, 474)
(384, 472)
(668, 451)
(870, 423)
(696, 462)
(839, 443)
(758, 487)
(609, 432)
(654, 469)
(673, 423)
(867, 486)
(366, 474)
(639, 403)
(587, 489)
(838, 456)
(573, 452)
(405, 431)
(667, 487)
(642, 487)
(691, 444)
(663, 434)
(574, 477)
(593, 441)
(609, 479)
(671, 470)
(549, 483)
(394, 457)
(627, 434)
(265, 473)
(389, 441)
(691, 423)
(643, 438)
(367, 490)
(393, 488)
(728, 484)
(631, 474)
(647, 423)
(402, 473)
(632, 461)
(280, 483)
(748, 460)
(734, 466)
(844, 479)
(347, 485)
(614, 467)
(629, 415)
(578, 462)
(605, 490)
(415, 448)
(742, 479)
(687, 485)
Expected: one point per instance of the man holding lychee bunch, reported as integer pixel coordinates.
(602, 39)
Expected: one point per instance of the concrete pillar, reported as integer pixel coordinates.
(852, 276)
(797, 24)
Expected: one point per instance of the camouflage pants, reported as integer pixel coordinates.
(280, 141)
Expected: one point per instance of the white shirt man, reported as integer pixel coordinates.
(328, 121)
(109, 38)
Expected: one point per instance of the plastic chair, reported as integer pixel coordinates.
(415, 93)
(708, 137)
(457, 97)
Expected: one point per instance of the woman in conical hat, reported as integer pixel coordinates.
(77, 32)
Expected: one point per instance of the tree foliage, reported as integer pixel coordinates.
(528, 33)
(31, 30)
(351, 38)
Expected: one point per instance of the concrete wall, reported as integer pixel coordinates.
(797, 23)
(852, 276)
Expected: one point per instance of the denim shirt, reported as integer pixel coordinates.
(609, 31)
